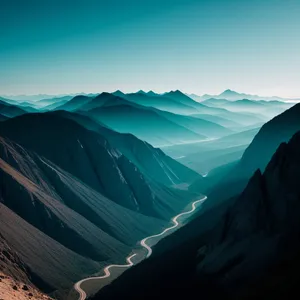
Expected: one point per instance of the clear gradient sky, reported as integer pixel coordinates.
(69, 46)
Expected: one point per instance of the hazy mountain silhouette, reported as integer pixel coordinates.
(258, 153)
(9, 101)
(9, 110)
(147, 124)
(27, 106)
(114, 112)
(57, 103)
(53, 100)
(181, 97)
(201, 108)
(161, 102)
(198, 125)
(232, 95)
(202, 157)
(260, 108)
(74, 103)
(152, 162)
(100, 100)
(204, 161)
(225, 122)
(240, 115)
(175, 102)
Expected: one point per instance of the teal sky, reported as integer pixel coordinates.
(199, 46)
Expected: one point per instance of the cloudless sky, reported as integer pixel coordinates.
(70, 46)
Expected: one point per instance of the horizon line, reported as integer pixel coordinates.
(147, 91)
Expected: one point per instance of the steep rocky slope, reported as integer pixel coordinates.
(16, 279)
(91, 158)
(11, 289)
(152, 162)
(61, 228)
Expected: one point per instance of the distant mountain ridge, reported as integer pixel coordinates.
(10, 110)
(232, 95)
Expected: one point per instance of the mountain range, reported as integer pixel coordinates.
(244, 247)
(85, 178)
(232, 95)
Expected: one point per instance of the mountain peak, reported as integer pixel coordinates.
(151, 93)
(141, 92)
(118, 93)
(229, 91)
(104, 94)
(175, 93)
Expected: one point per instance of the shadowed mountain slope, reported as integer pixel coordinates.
(3, 118)
(144, 123)
(278, 130)
(52, 101)
(235, 251)
(161, 102)
(90, 157)
(258, 153)
(113, 105)
(152, 162)
(74, 103)
(9, 110)
(62, 229)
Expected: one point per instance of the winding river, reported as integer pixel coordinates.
(143, 243)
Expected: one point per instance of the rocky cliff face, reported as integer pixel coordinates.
(10, 263)
(16, 279)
